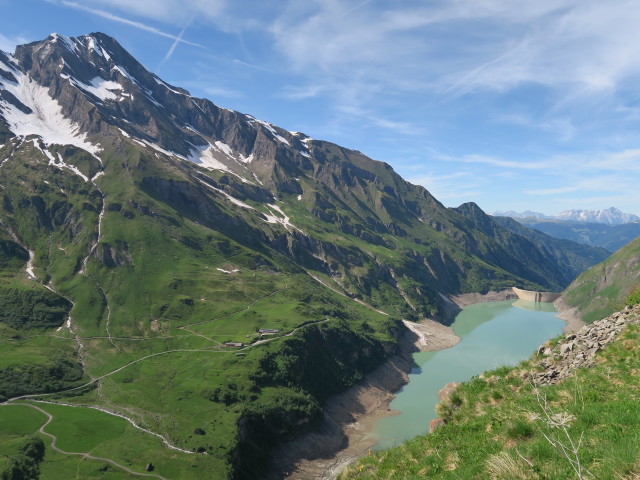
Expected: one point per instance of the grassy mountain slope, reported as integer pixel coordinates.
(156, 282)
(602, 289)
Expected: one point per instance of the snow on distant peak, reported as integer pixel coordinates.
(66, 41)
(101, 88)
(609, 216)
(95, 46)
(45, 117)
(525, 214)
(270, 128)
(205, 155)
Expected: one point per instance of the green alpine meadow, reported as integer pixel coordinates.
(184, 287)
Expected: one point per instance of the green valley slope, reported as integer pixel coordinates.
(603, 288)
(159, 227)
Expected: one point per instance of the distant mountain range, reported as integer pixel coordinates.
(608, 216)
(610, 237)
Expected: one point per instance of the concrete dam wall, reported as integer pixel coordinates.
(536, 296)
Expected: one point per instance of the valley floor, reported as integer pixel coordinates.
(349, 418)
(344, 435)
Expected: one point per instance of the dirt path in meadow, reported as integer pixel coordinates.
(54, 439)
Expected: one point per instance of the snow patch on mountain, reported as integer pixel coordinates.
(269, 128)
(235, 270)
(205, 155)
(95, 47)
(123, 71)
(248, 159)
(168, 87)
(224, 148)
(99, 87)
(281, 218)
(59, 163)
(44, 116)
(233, 200)
(66, 41)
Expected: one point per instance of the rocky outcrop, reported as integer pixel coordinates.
(578, 349)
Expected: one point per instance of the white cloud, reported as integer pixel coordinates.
(375, 54)
(174, 12)
(8, 44)
(626, 161)
(216, 91)
(498, 162)
(462, 46)
(292, 92)
(126, 21)
(552, 191)
(562, 127)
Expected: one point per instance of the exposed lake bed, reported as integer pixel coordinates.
(355, 419)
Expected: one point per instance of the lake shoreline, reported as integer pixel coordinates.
(569, 314)
(349, 417)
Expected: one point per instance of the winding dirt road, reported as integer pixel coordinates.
(82, 454)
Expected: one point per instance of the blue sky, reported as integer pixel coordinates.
(511, 104)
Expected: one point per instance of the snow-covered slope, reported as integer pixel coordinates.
(67, 90)
(609, 216)
(28, 109)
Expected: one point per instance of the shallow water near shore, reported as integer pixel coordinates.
(492, 334)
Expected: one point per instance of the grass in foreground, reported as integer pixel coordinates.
(502, 427)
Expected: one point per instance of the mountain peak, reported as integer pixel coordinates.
(609, 216)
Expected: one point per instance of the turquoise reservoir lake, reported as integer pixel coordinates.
(492, 335)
